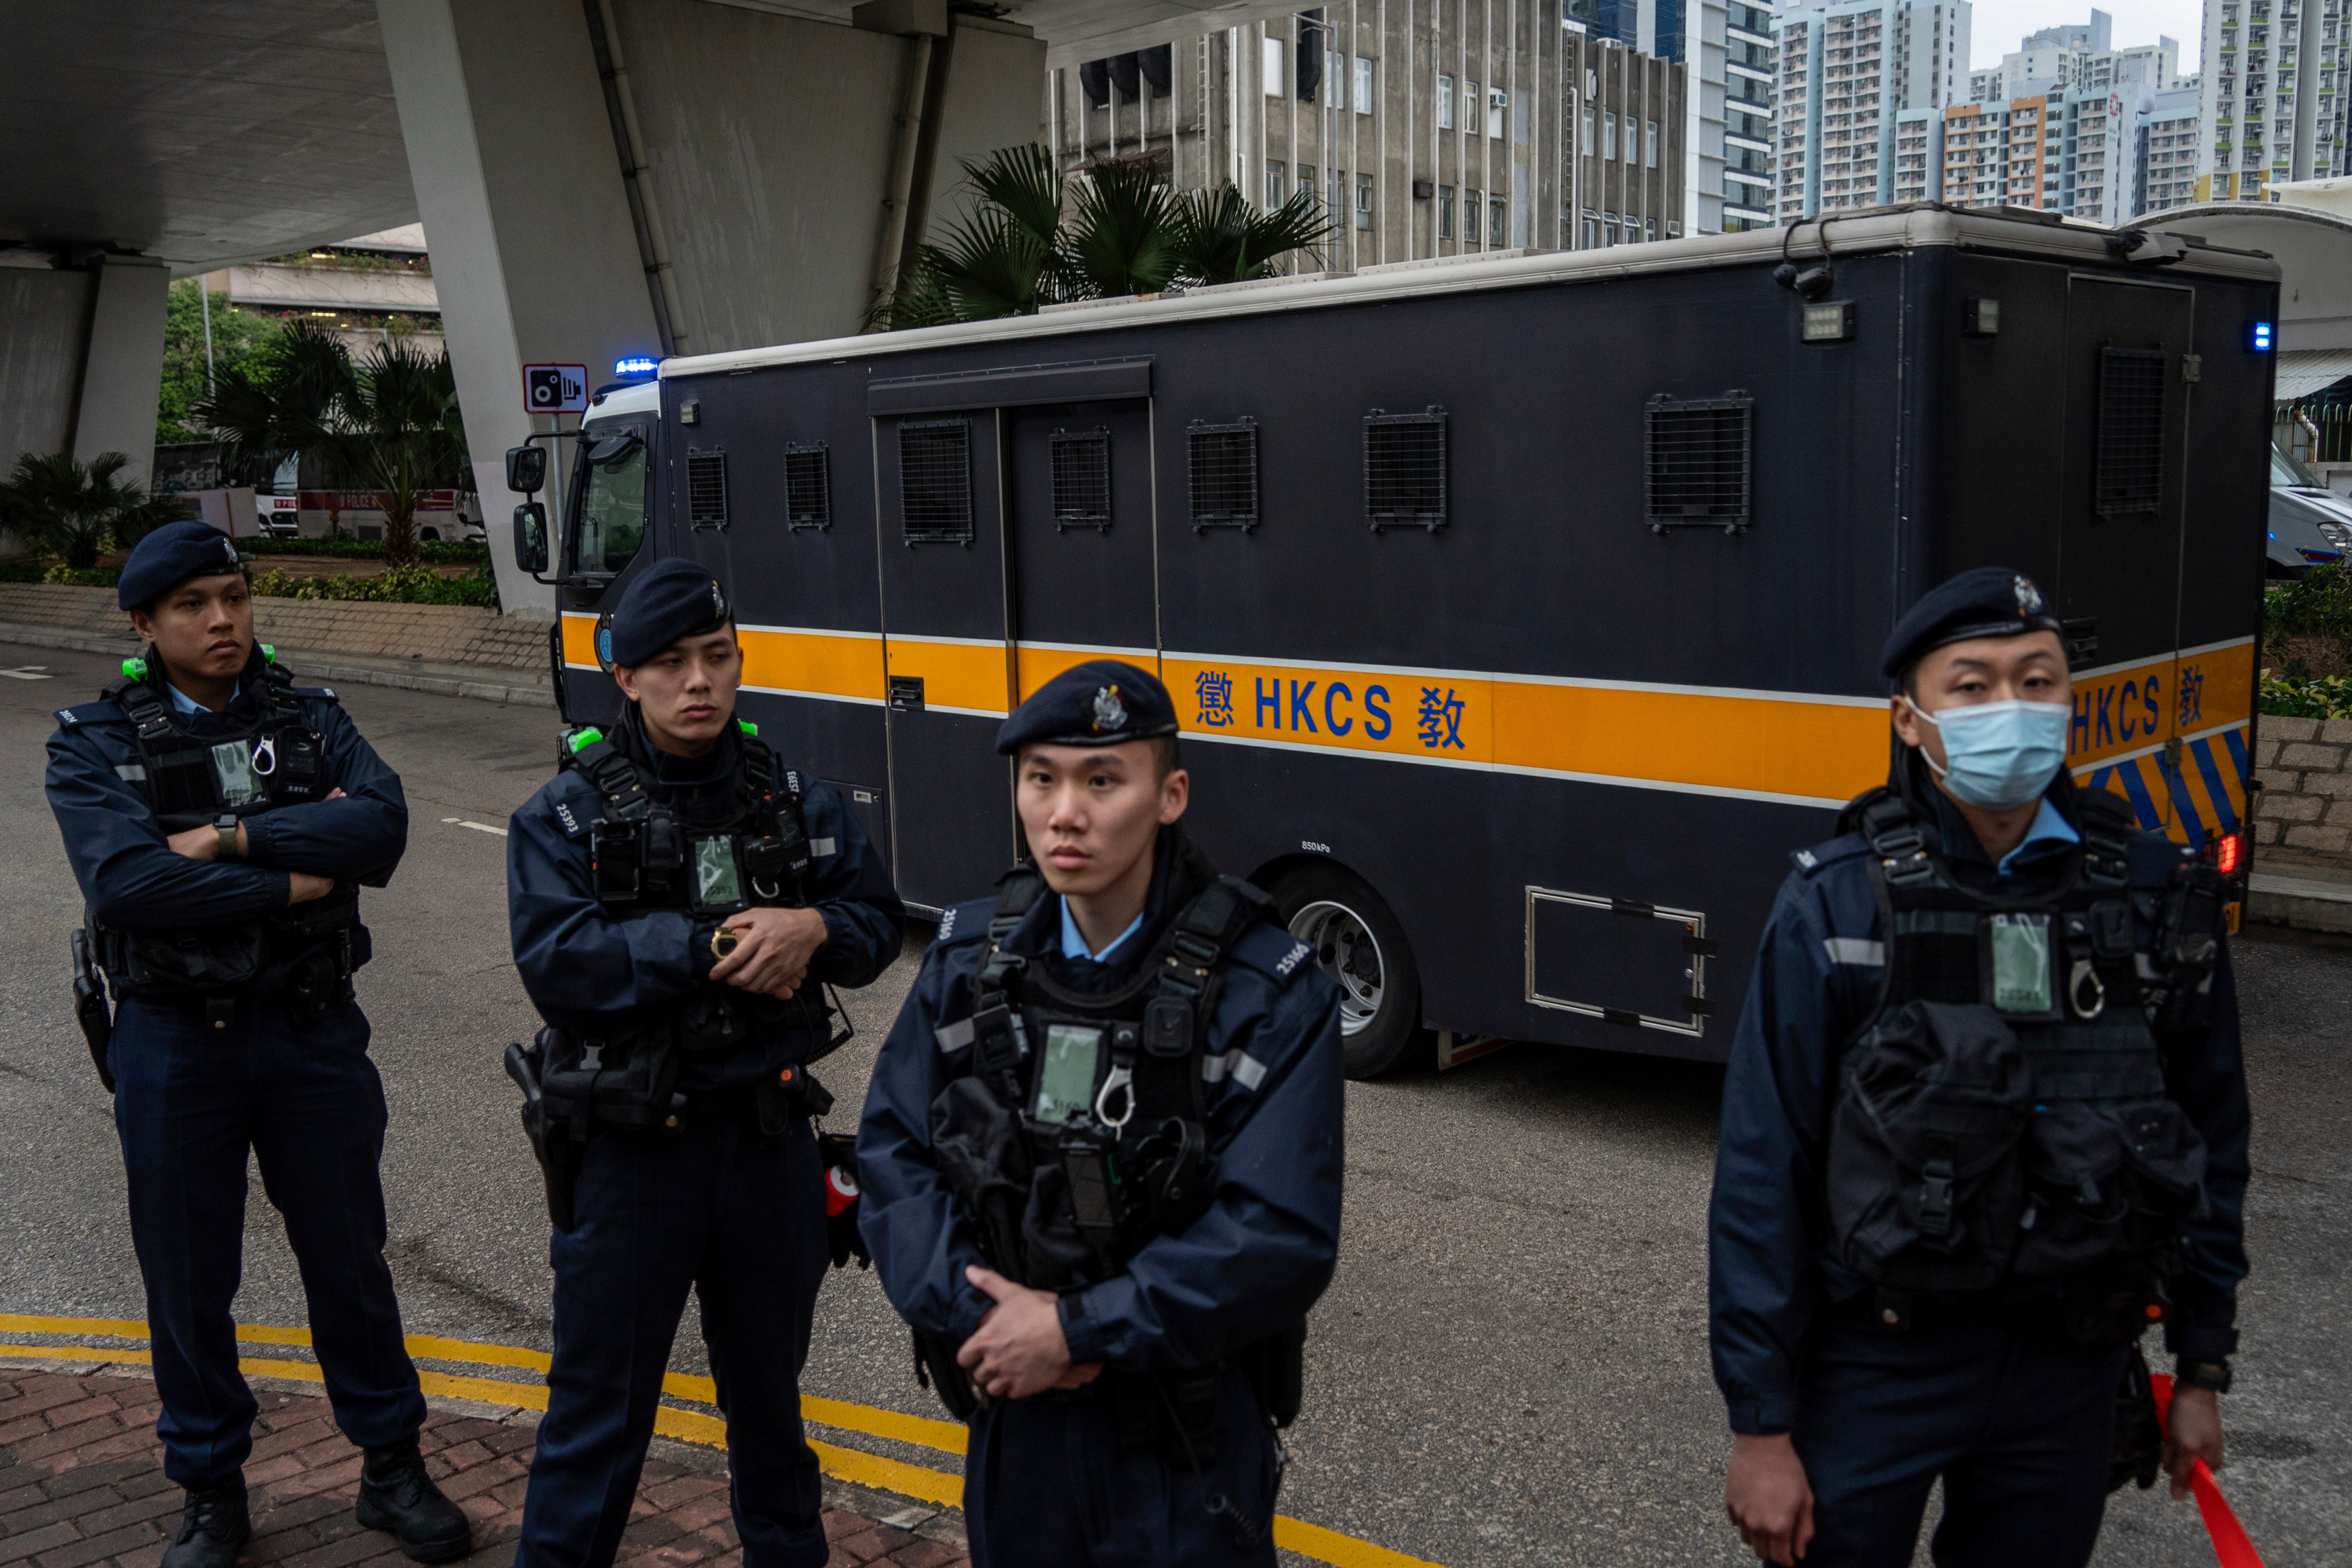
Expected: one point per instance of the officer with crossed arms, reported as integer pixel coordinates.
(221, 820)
(1984, 1122)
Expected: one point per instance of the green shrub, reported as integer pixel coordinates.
(2293, 695)
(82, 576)
(2319, 602)
(23, 572)
(399, 585)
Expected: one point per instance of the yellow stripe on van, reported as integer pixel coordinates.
(580, 640)
(813, 664)
(1037, 665)
(967, 675)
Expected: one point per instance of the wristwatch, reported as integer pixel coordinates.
(723, 942)
(2213, 1375)
(225, 826)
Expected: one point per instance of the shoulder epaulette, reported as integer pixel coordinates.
(965, 922)
(323, 693)
(100, 712)
(1846, 847)
(1272, 951)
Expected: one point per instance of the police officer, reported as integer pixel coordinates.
(1101, 1161)
(1985, 1120)
(679, 897)
(220, 819)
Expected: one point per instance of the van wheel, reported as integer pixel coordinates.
(1358, 944)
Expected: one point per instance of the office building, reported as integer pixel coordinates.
(1847, 71)
(1423, 128)
(2165, 151)
(1699, 34)
(2275, 88)
(1751, 79)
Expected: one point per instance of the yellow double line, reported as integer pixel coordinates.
(853, 1466)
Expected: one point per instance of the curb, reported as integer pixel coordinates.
(314, 666)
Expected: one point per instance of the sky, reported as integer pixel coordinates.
(1997, 26)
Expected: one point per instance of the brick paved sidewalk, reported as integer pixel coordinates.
(82, 1486)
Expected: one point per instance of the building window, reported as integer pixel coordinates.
(1445, 103)
(1470, 107)
(1469, 217)
(1592, 229)
(1608, 228)
(1446, 212)
(1364, 85)
(1307, 181)
(1363, 201)
(1586, 145)
(1335, 195)
(1499, 222)
(1495, 103)
(1335, 66)
(1649, 228)
(1270, 66)
(1650, 143)
(1273, 186)
(1608, 135)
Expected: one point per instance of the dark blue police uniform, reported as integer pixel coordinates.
(1072, 1478)
(2000, 1395)
(710, 1201)
(194, 1089)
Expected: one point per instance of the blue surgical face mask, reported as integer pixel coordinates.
(2000, 755)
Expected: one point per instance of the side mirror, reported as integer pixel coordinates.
(529, 533)
(526, 469)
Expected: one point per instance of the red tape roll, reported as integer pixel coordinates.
(2230, 1545)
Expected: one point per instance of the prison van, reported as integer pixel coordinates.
(1523, 613)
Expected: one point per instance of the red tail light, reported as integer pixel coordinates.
(2226, 852)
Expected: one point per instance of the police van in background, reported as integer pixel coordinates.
(1522, 612)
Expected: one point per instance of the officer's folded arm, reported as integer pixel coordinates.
(576, 957)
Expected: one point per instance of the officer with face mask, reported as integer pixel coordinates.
(679, 899)
(1101, 1157)
(1985, 1123)
(221, 820)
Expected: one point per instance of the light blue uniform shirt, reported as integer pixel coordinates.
(1074, 946)
(2049, 825)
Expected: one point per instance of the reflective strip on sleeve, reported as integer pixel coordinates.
(1244, 1069)
(954, 1036)
(823, 846)
(135, 772)
(1856, 951)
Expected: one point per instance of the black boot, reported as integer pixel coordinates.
(396, 1494)
(212, 1527)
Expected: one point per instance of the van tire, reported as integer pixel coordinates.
(1360, 947)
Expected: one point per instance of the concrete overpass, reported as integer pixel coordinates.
(599, 177)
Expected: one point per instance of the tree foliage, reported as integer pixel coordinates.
(76, 510)
(389, 423)
(240, 338)
(1032, 238)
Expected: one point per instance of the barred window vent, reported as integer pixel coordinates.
(1404, 470)
(1699, 462)
(1221, 464)
(1081, 464)
(2130, 479)
(808, 486)
(706, 488)
(935, 482)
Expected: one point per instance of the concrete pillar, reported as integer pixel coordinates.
(534, 254)
(122, 363)
(994, 78)
(44, 324)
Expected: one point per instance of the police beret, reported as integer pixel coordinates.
(1987, 601)
(171, 555)
(1101, 703)
(671, 599)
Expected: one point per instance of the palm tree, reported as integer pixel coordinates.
(1032, 239)
(389, 424)
(76, 511)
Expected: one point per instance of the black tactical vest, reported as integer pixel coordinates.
(642, 856)
(1078, 1135)
(2002, 1127)
(191, 780)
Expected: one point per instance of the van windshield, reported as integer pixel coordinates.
(2286, 470)
(612, 502)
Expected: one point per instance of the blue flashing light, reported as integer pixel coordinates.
(645, 365)
(2258, 337)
